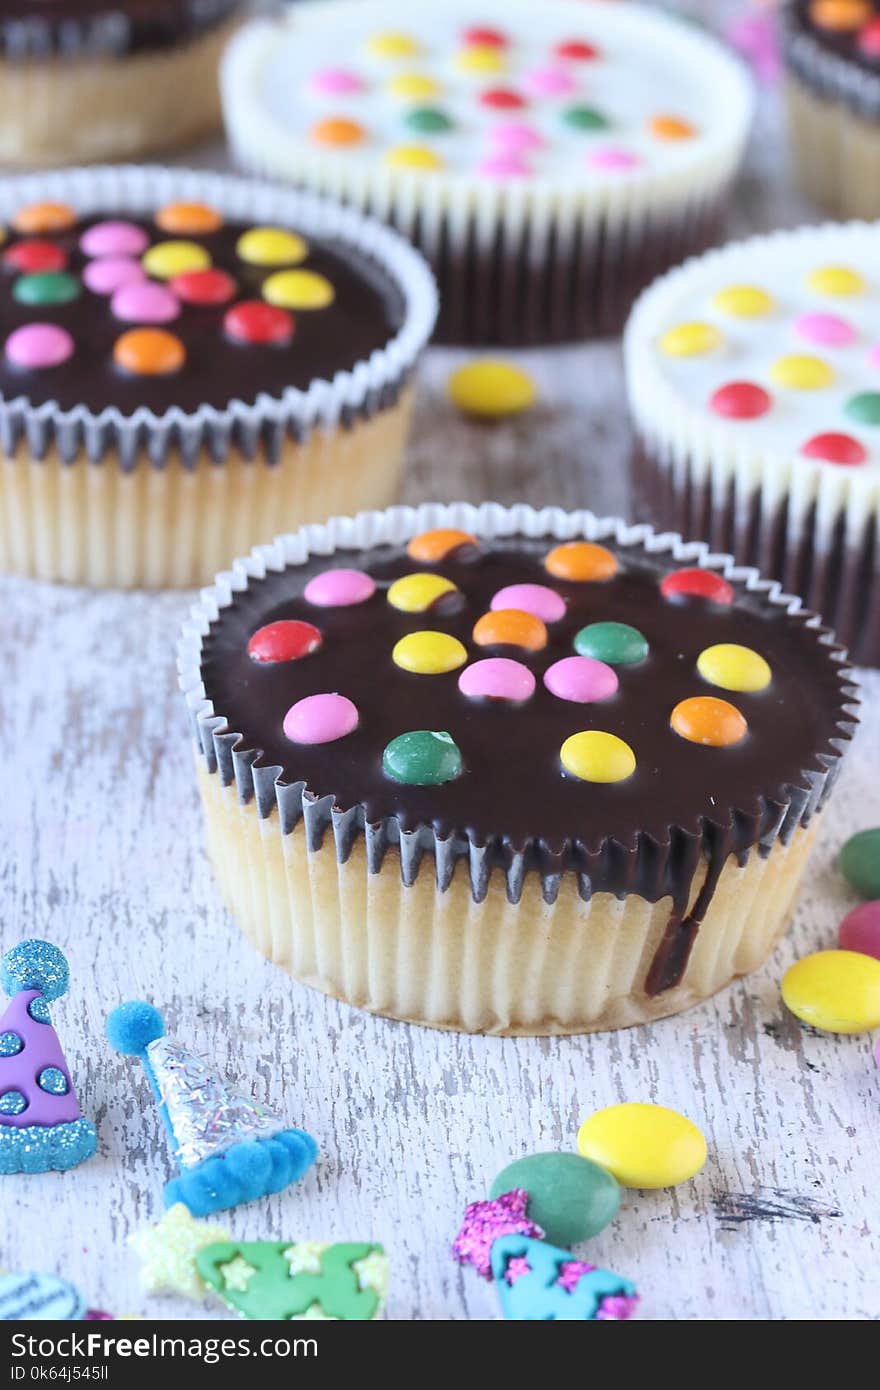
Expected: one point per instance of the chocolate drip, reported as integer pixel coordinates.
(43, 29)
(831, 62)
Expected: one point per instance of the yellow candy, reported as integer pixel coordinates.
(743, 301)
(413, 157)
(480, 58)
(691, 340)
(491, 388)
(392, 45)
(594, 756)
(732, 667)
(836, 280)
(414, 593)
(643, 1145)
(429, 653)
(169, 258)
(298, 289)
(801, 372)
(271, 246)
(413, 86)
(838, 991)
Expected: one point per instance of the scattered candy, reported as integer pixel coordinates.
(800, 372)
(433, 546)
(550, 82)
(145, 303)
(826, 330)
(538, 1282)
(320, 719)
(41, 1125)
(30, 257)
(38, 345)
(169, 258)
(836, 281)
(614, 160)
(860, 930)
(429, 653)
(585, 118)
(834, 447)
(308, 1279)
(643, 1145)
(287, 640)
(47, 287)
(837, 991)
(188, 219)
(510, 627)
(204, 287)
(595, 756)
(740, 400)
(109, 273)
(480, 58)
(38, 219)
(709, 721)
(504, 166)
(514, 137)
(617, 644)
(744, 302)
(502, 99)
(413, 86)
(413, 157)
(114, 239)
(252, 322)
(580, 679)
(149, 352)
(428, 120)
(491, 389)
(417, 593)
(576, 50)
(497, 678)
(337, 130)
(339, 588)
(864, 407)
(298, 289)
(537, 599)
(392, 45)
(671, 128)
(168, 1251)
(860, 862)
(486, 1222)
(271, 246)
(696, 583)
(691, 340)
(423, 758)
(582, 562)
(733, 667)
(840, 16)
(39, 1297)
(571, 1197)
(336, 82)
(230, 1148)
(482, 37)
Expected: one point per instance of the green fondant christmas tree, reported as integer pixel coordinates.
(308, 1279)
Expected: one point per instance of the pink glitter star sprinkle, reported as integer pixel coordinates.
(516, 1268)
(571, 1272)
(616, 1308)
(484, 1222)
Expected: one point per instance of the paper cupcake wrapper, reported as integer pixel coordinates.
(650, 865)
(27, 37)
(826, 72)
(251, 430)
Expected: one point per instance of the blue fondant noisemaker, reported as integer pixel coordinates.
(41, 1125)
(539, 1282)
(230, 1148)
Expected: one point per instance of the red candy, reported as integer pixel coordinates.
(204, 287)
(255, 322)
(696, 584)
(578, 50)
(484, 38)
(835, 448)
(287, 640)
(502, 99)
(869, 38)
(740, 400)
(32, 257)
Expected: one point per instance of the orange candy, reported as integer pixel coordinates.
(706, 719)
(432, 546)
(841, 16)
(188, 219)
(149, 352)
(582, 561)
(39, 218)
(338, 130)
(510, 627)
(671, 128)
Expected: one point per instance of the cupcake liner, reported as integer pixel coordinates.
(252, 431)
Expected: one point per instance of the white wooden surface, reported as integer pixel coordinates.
(100, 851)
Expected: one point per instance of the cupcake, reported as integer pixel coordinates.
(754, 383)
(188, 359)
(509, 771)
(831, 52)
(549, 160)
(84, 80)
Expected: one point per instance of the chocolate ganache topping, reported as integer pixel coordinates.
(113, 28)
(834, 47)
(543, 707)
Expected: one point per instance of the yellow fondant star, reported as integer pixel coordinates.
(237, 1274)
(314, 1313)
(305, 1256)
(372, 1273)
(168, 1252)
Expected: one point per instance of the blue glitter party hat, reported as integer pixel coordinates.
(230, 1148)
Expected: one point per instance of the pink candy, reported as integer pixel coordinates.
(515, 137)
(145, 302)
(339, 588)
(114, 239)
(497, 678)
(320, 719)
(537, 599)
(335, 82)
(549, 82)
(613, 158)
(827, 329)
(874, 357)
(581, 679)
(110, 273)
(504, 166)
(39, 345)
(860, 930)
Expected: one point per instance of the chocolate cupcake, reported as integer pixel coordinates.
(831, 52)
(86, 80)
(548, 160)
(188, 358)
(754, 383)
(509, 771)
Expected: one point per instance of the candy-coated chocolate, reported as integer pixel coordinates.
(289, 639)
(826, 330)
(340, 588)
(413, 86)
(502, 99)
(430, 547)
(580, 679)
(298, 289)
(642, 1145)
(428, 120)
(416, 593)
(576, 50)
(188, 219)
(585, 118)
(146, 302)
(734, 667)
(271, 246)
(707, 720)
(392, 44)
(864, 407)
(837, 991)
(413, 157)
(429, 653)
(617, 644)
(149, 352)
(835, 447)
(336, 82)
(544, 603)
(320, 719)
(691, 340)
(570, 1197)
(491, 388)
(860, 862)
(256, 323)
(860, 929)
(515, 137)
(696, 583)
(114, 239)
(840, 16)
(583, 562)
(423, 758)
(740, 400)
(38, 345)
(169, 258)
(338, 131)
(614, 159)
(31, 257)
(497, 678)
(869, 38)
(484, 37)
(40, 219)
(480, 58)
(504, 166)
(108, 274)
(549, 82)
(671, 128)
(510, 627)
(208, 288)
(744, 302)
(800, 372)
(47, 287)
(836, 281)
(596, 756)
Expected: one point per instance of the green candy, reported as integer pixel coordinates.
(859, 862)
(278, 1280)
(423, 758)
(617, 644)
(865, 407)
(570, 1197)
(585, 118)
(428, 120)
(46, 287)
